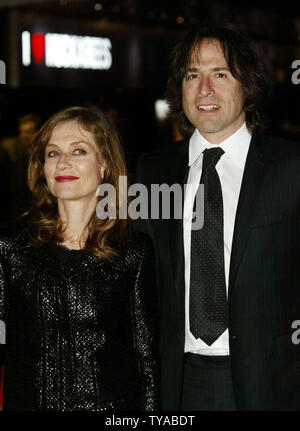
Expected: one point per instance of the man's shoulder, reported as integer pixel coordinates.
(166, 152)
(159, 163)
(277, 147)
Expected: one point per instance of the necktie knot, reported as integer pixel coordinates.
(211, 157)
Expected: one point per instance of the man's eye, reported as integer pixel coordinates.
(192, 76)
(220, 75)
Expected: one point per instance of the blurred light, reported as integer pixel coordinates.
(280, 75)
(26, 56)
(180, 20)
(161, 109)
(98, 7)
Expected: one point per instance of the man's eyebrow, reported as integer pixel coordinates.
(192, 69)
(218, 69)
(214, 69)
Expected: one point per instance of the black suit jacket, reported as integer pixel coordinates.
(264, 279)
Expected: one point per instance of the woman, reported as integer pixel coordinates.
(77, 292)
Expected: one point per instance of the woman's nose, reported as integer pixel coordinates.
(63, 161)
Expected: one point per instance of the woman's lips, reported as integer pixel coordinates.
(65, 178)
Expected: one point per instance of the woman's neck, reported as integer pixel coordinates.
(75, 217)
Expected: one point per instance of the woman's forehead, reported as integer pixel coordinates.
(71, 130)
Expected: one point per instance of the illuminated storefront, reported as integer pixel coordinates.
(60, 52)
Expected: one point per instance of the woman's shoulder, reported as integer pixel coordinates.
(139, 247)
(140, 242)
(13, 233)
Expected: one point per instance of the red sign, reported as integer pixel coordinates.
(38, 47)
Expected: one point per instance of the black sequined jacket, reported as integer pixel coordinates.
(81, 332)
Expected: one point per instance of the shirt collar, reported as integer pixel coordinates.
(236, 146)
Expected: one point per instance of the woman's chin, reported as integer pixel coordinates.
(69, 196)
(77, 197)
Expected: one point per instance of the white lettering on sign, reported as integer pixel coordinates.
(71, 51)
(26, 56)
(78, 52)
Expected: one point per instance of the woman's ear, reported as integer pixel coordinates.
(102, 170)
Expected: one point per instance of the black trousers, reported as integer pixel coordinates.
(207, 383)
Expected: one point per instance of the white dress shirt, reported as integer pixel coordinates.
(230, 169)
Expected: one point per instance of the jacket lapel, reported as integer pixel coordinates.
(255, 174)
(179, 175)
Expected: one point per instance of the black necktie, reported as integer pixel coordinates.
(208, 303)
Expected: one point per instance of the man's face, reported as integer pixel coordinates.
(212, 98)
(27, 132)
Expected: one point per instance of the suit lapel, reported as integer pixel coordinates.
(179, 175)
(255, 173)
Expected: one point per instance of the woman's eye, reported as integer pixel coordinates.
(80, 151)
(52, 154)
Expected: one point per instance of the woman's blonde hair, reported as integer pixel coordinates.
(107, 238)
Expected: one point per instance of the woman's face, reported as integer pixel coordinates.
(73, 167)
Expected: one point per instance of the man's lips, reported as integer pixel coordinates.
(65, 178)
(207, 108)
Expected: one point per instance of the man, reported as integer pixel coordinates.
(230, 291)
(28, 126)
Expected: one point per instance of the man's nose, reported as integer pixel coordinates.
(205, 87)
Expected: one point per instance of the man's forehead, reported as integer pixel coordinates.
(208, 50)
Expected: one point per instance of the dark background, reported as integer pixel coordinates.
(143, 33)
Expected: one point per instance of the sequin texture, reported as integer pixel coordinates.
(81, 332)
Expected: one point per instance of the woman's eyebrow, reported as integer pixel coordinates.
(53, 144)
